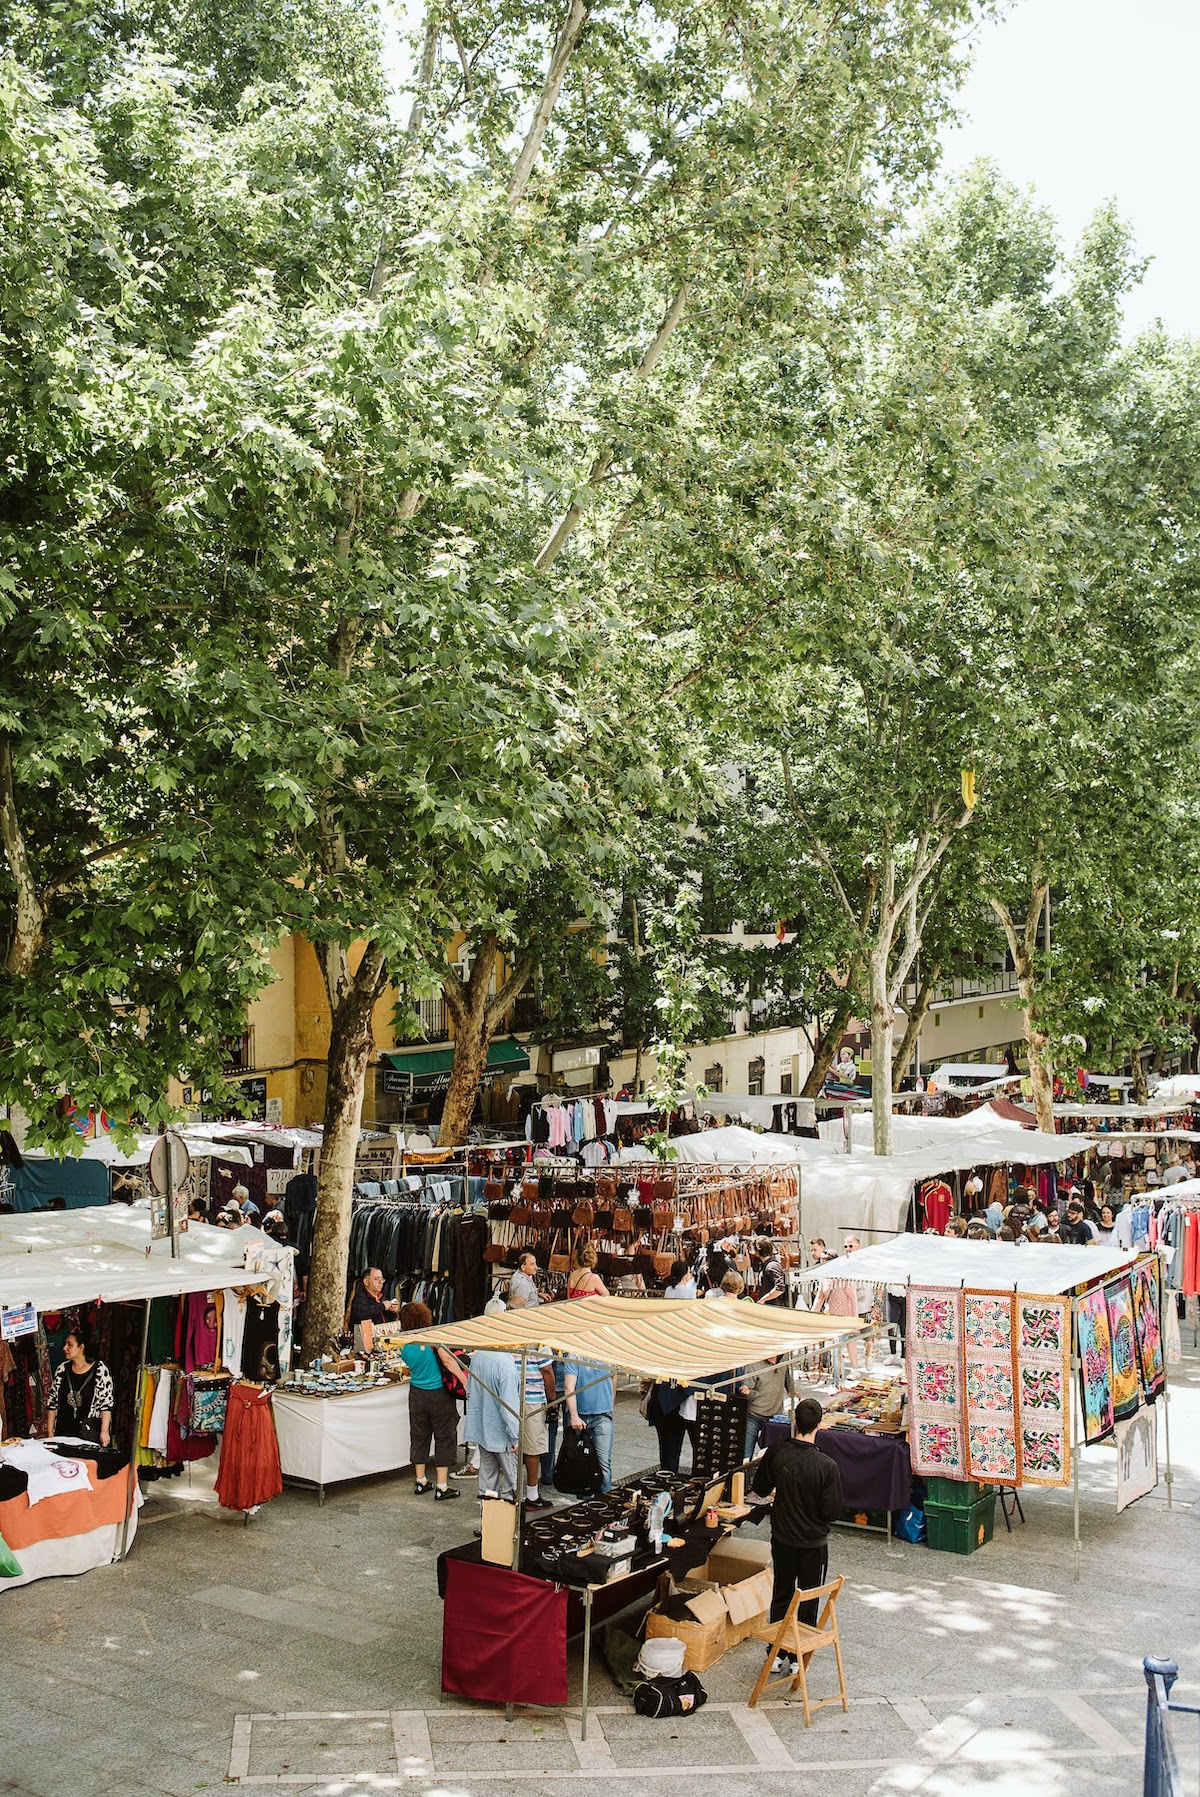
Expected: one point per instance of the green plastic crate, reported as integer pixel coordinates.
(961, 1531)
(955, 1494)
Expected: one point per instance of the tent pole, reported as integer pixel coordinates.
(520, 1491)
(1075, 1402)
(1162, 1336)
(138, 1408)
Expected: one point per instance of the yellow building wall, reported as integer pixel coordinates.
(290, 1023)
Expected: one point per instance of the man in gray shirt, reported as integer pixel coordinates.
(523, 1285)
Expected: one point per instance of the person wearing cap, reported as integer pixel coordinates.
(1075, 1229)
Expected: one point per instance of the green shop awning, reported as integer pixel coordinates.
(429, 1068)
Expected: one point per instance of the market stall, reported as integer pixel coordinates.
(654, 1340)
(68, 1505)
(333, 1427)
(1020, 1356)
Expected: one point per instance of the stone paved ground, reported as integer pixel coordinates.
(300, 1654)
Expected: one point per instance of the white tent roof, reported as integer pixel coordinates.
(982, 1138)
(987, 1266)
(734, 1146)
(54, 1258)
(1178, 1085)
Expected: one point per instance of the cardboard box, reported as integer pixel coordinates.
(703, 1642)
(735, 1582)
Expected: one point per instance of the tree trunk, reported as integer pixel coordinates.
(1141, 1090)
(882, 1019)
(827, 1043)
(29, 918)
(1035, 1040)
(475, 1016)
(1021, 946)
(350, 1047)
(916, 1022)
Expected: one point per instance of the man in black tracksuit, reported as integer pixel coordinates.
(808, 1497)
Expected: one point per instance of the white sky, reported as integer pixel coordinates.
(1084, 100)
(1087, 100)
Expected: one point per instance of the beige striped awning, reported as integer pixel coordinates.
(652, 1338)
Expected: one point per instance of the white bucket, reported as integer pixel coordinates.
(662, 1656)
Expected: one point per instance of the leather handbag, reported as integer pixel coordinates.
(622, 1221)
(493, 1189)
(606, 1186)
(663, 1219)
(494, 1253)
(663, 1264)
(559, 1262)
(521, 1214)
(584, 1214)
(643, 1216)
(664, 1189)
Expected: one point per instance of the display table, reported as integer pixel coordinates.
(323, 1440)
(70, 1532)
(481, 1601)
(876, 1469)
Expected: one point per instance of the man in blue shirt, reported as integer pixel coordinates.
(493, 1416)
(590, 1396)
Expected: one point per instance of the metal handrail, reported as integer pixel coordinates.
(1161, 1775)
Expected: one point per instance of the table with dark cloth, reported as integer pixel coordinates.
(876, 1469)
(774, 1430)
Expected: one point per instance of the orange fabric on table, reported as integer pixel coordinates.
(71, 1513)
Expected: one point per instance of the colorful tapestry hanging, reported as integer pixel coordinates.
(1043, 1354)
(936, 1433)
(992, 1449)
(1126, 1380)
(1095, 1365)
(1146, 1281)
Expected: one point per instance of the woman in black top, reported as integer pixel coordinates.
(81, 1397)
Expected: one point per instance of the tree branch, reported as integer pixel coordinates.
(565, 529)
(568, 38)
(512, 988)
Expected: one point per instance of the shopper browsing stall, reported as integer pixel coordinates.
(432, 1411)
(590, 1397)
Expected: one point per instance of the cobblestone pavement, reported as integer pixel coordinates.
(301, 1654)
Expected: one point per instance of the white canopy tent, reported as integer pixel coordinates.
(986, 1266)
(871, 1194)
(1034, 1270)
(51, 1259)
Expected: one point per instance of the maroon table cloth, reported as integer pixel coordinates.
(504, 1636)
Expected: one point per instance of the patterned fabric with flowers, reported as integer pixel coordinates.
(989, 1386)
(987, 1321)
(993, 1452)
(1043, 1345)
(939, 1448)
(937, 1442)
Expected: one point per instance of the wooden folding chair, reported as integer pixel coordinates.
(791, 1636)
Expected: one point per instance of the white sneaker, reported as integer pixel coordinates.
(784, 1662)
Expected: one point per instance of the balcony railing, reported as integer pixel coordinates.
(237, 1052)
(431, 1013)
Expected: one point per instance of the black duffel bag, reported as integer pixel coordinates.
(666, 1696)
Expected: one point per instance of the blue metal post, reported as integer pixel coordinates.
(1161, 1773)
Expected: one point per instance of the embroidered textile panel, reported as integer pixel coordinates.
(992, 1448)
(1126, 1380)
(1145, 1281)
(1095, 1365)
(1042, 1346)
(937, 1420)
